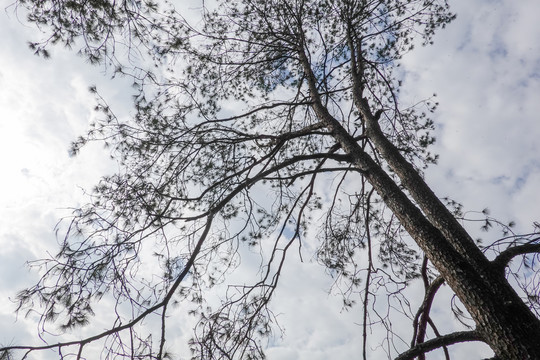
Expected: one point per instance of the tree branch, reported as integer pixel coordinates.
(504, 258)
(130, 324)
(438, 334)
(422, 316)
(445, 340)
(426, 306)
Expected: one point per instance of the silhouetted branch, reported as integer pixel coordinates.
(130, 324)
(445, 340)
(422, 316)
(504, 258)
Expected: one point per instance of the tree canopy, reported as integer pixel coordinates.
(276, 126)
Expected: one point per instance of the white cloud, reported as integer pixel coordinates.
(485, 68)
(44, 106)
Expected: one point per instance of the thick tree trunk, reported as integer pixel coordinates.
(505, 323)
(502, 319)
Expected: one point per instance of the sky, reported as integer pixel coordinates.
(484, 68)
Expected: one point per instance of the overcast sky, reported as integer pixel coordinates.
(484, 67)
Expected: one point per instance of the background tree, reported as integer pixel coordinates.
(318, 86)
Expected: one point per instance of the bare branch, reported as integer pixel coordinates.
(445, 340)
(130, 324)
(504, 258)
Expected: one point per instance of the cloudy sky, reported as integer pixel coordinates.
(484, 67)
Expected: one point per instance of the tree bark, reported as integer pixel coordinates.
(503, 321)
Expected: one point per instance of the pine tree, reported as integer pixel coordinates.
(297, 99)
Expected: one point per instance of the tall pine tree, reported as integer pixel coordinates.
(297, 99)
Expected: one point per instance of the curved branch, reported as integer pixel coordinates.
(445, 340)
(438, 334)
(423, 311)
(422, 317)
(504, 258)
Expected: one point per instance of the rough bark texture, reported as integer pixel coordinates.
(503, 320)
(505, 323)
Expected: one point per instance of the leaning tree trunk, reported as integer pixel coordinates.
(503, 320)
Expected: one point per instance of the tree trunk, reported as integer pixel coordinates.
(505, 323)
(503, 320)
